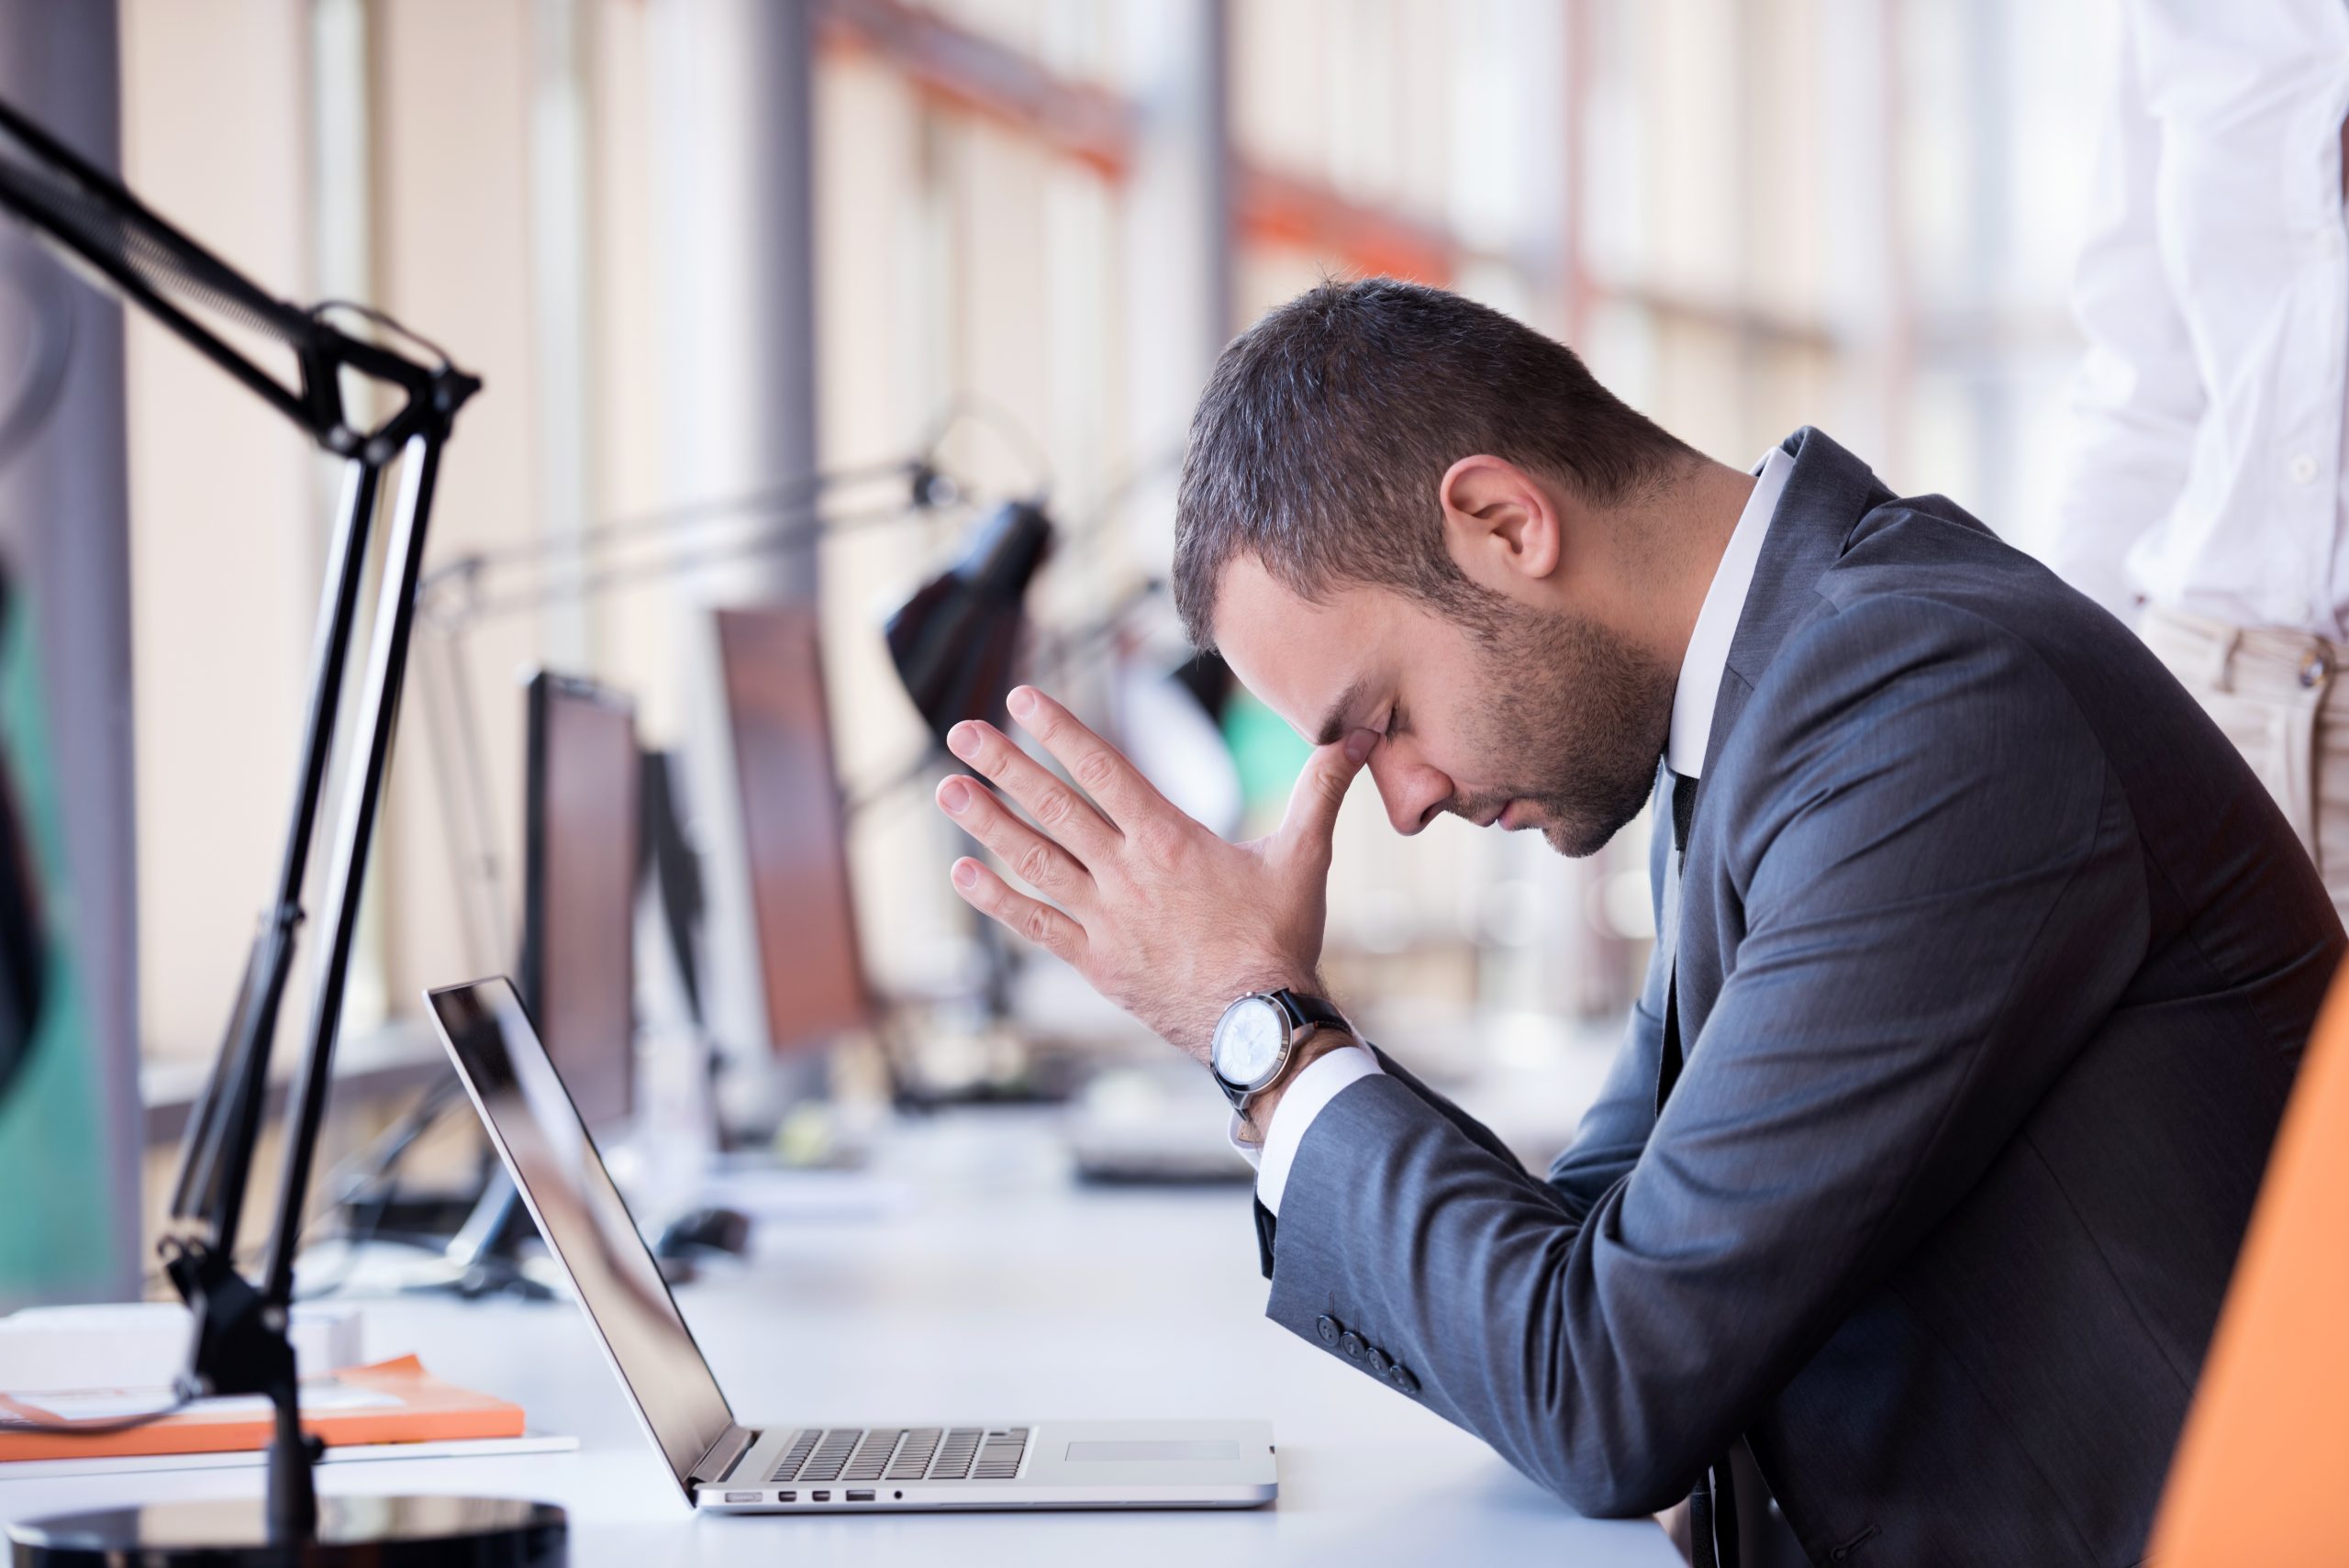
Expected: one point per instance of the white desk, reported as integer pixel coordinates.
(999, 1292)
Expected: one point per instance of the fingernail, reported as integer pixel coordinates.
(963, 740)
(1359, 743)
(956, 795)
(1022, 702)
(967, 873)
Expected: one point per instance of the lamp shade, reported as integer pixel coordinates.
(957, 641)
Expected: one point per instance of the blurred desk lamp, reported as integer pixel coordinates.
(609, 558)
(240, 1346)
(954, 642)
(957, 643)
(960, 640)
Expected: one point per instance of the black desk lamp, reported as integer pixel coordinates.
(957, 641)
(239, 1345)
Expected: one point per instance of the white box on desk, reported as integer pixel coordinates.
(143, 1345)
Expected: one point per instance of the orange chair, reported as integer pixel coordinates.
(2263, 1467)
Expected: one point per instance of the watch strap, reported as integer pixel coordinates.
(1313, 1009)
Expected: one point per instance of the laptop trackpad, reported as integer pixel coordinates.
(1130, 1451)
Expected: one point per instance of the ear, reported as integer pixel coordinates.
(1502, 525)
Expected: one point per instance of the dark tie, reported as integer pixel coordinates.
(1713, 1507)
(1683, 816)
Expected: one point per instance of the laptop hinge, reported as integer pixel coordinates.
(724, 1454)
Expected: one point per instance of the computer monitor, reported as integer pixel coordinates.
(581, 822)
(794, 830)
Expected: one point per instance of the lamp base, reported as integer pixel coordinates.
(380, 1532)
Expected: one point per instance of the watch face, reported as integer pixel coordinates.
(1249, 1040)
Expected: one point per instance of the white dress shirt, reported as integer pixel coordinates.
(1702, 668)
(1706, 660)
(2208, 473)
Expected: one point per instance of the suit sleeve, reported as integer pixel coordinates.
(1616, 1128)
(1268, 1223)
(1939, 902)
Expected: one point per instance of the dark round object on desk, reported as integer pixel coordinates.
(379, 1532)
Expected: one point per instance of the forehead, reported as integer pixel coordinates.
(1299, 656)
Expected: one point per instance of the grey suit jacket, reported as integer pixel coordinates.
(1994, 967)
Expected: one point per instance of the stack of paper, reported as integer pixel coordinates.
(394, 1402)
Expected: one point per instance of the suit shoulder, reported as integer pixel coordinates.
(1929, 546)
(1907, 709)
(1928, 676)
(1875, 644)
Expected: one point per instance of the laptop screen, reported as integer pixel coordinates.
(553, 1161)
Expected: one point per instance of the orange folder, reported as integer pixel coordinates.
(405, 1403)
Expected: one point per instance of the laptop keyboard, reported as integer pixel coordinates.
(902, 1453)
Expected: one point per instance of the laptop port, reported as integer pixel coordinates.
(860, 1497)
(741, 1496)
(787, 1497)
(819, 1496)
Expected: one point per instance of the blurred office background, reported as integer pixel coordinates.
(698, 249)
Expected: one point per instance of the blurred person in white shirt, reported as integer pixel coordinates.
(2208, 492)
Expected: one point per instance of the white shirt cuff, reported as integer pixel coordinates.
(1311, 1089)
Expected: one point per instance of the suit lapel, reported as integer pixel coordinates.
(1826, 496)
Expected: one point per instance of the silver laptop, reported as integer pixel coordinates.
(729, 1466)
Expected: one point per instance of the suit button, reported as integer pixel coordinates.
(1378, 1362)
(1402, 1379)
(1327, 1327)
(1353, 1344)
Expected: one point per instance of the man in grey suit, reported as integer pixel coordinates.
(1984, 963)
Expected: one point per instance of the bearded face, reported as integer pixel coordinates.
(1576, 717)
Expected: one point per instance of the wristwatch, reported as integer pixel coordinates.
(1259, 1033)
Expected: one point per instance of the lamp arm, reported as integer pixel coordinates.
(928, 486)
(97, 224)
(240, 1344)
(593, 582)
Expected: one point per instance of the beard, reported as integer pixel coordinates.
(1582, 711)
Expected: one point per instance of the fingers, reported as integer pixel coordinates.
(1033, 859)
(1116, 785)
(1041, 923)
(1059, 810)
(1312, 816)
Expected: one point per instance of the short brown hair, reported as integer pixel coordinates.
(1326, 428)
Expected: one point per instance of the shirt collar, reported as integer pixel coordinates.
(1706, 660)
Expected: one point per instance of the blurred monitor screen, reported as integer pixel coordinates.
(580, 828)
(793, 827)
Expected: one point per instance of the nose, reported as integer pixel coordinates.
(1411, 790)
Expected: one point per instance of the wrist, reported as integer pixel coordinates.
(1256, 1116)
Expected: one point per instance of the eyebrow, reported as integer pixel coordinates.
(1333, 726)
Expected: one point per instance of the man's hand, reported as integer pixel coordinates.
(1161, 916)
